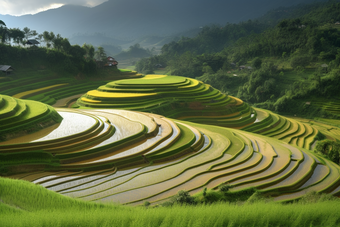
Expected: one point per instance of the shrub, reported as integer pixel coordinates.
(256, 63)
(315, 197)
(183, 197)
(299, 60)
(224, 187)
(329, 148)
(256, 197)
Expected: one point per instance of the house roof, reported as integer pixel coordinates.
(5, 68)
(32, 41)
(111, 59)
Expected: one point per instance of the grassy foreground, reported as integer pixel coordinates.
(25, 204)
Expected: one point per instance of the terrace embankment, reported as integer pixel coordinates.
(130, 157)
(191, 100)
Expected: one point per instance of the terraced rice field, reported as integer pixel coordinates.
(332, 106)
(132, 157)
(191, 100)
(104, 151)
(172, 96)
(50, 90)
(18, 116)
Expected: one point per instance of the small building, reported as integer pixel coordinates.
(337, 23)
(111, 62)
(33, 42)
(245, 67)
(6, 69)
(110, 59)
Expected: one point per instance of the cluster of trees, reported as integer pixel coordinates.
(217, 53)
(212, 39)
(134, 51)
(301, 40)
(261, 85)
(13, 34)
(75, 58)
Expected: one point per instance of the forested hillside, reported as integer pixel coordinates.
(292, 67)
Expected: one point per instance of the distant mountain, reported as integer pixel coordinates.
(123, 21)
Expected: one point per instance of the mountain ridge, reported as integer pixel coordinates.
(129, 20)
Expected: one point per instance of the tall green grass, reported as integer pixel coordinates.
(25, 204)
(258, 214)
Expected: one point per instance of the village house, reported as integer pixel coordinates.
(32, 42)
(111, 62)
(245, 67)
(6, 69)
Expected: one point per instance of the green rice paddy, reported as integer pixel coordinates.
(77, 159)
(105, 152)
(191, 100)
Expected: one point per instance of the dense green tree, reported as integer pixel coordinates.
(134, 51)
(256, 63)
(4, 34)
(2, 23)
(65, 45)
(77, 52)
(29, 33)
(100, 54)
(48, 38)
(16, 35)
(57, 42)
(89, 51)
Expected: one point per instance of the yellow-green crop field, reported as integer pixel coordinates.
(191, 100)
(132, 157)
(145, 139)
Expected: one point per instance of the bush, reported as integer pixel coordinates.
(224, 187)
(301, 61)
(316, 197)
(256, 197)
(256, 63)
(182, 198)
(330, 149)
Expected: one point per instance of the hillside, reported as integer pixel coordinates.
(278, 68)
(37, 206)
(102, 154)
(134, 19)
(208, 149)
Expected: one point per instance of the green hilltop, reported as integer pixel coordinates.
(192, 100)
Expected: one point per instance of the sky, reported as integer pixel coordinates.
(20, 7)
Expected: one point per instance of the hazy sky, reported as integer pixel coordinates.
(20, 7)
